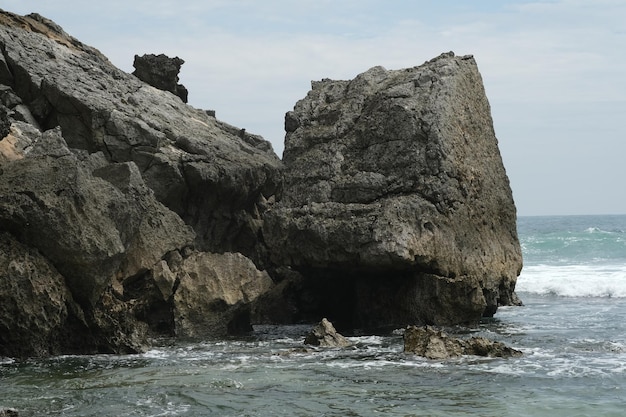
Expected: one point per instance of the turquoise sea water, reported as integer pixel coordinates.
(572, 330)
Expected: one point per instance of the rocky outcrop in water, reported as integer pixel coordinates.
(396, 203)
(435, 344)
(114, 196)
(126, 214)
(324, 334)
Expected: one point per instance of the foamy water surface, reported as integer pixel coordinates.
(571, 329)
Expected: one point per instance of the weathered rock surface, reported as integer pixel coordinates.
(396, 203)
(216, 179)
(113, 197)
(435, 344)
(324, 334)
(127, 214)
(33, 301)
(97, 224)
(213, 293)
(161, 71)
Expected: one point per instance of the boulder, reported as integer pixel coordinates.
(324, 334)
(396, 205)
(93, 225)
(213, 293)
(435, 344)
(161, 71)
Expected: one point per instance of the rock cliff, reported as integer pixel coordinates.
(214, 178)
(126, 214)
(114, 198)
(396, 203)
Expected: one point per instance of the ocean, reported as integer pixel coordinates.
(571, 329)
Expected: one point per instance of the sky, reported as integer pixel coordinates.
(554, 70)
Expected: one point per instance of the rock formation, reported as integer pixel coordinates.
(396, 205)
(214, 290)
(435, 344)
(215, 179)
(126, 214)
(114, 197)
(161, 71)
(324, 334)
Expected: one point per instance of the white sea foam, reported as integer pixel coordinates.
(156, 354)
(574, 280)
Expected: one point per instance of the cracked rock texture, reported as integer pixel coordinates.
(396, 202)
(217, 180)
(126, 214)
(114, 196)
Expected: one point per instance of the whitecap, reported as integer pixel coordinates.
(155, 354)
(574, 280)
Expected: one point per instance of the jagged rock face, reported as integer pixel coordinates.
(161, 71)
(111, 193)
(33, 302)
(396, 197)
(94, 224)
(92, 219)
(215, 177)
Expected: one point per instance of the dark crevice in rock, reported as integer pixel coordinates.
(7, 75)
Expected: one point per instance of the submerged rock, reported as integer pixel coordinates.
(435, 344)
(325, 335)
(396, 205)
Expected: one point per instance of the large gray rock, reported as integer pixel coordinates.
(216, 177)
(94, 224)
(396, 203)
(112, 196)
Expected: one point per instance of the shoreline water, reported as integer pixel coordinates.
(574, 360)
